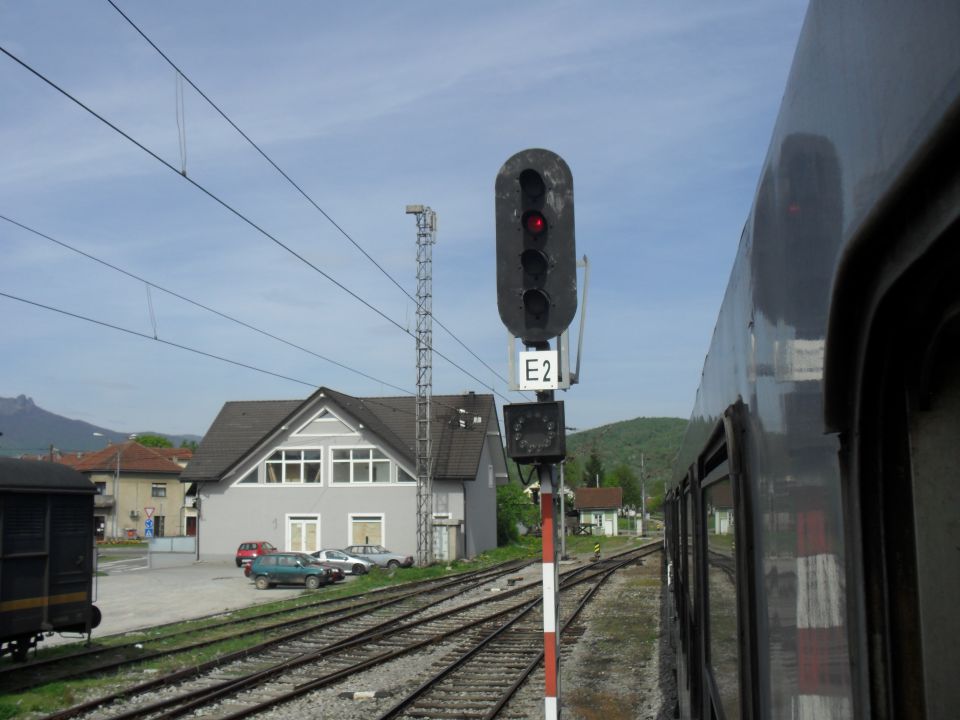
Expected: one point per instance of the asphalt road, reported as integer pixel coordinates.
(132, 596)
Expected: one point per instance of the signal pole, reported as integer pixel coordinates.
(426, 237)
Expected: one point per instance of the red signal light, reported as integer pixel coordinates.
(535, 223)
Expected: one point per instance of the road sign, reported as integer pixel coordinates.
(539, 370)
(149, 512)
(148, 527)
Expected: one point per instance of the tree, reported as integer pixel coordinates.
(624, 477)
(513, 506)
(191, 445)
(157, 441)
(594, 470)
(572, 473)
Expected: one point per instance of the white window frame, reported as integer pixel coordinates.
(260, 468)
(391, 477)
(383, 525)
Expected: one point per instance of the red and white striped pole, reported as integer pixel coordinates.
(551, 603)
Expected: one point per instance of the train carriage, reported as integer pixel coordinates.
(46, 553)
(814, 510)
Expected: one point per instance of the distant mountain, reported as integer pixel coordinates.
(28, 429)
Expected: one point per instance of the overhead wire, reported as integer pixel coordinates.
(219, 313)
(239, 215)
(145, 336)
(290, 180)
(204, 353)
(200, 305)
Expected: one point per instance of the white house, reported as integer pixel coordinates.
(335, 470)
(598, 509)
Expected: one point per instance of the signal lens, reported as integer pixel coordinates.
(535, 223)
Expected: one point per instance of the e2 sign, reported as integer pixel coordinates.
(539, 370)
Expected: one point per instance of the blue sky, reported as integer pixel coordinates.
(662, 110)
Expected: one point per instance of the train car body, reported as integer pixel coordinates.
(815, 508)
(46, 553)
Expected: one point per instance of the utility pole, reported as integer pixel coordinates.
(643, 500)
(426, 237)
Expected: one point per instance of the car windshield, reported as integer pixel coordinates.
(268, 546)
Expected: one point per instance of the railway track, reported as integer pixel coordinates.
(278, 626)
(438, 632)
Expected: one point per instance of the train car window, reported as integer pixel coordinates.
(726, 595)
(722, 641)
(691, 554)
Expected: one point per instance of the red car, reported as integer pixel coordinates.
(250, 550)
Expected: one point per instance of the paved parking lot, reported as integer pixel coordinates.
(133, 597)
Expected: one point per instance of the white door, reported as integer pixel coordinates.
(441, 542)
(303, 533)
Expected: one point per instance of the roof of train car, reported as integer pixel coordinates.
(40, 475)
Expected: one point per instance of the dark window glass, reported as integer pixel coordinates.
(691, 563)
(722, 641)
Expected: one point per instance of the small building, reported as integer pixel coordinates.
(138, 491)
(336, 470)
(598, 509)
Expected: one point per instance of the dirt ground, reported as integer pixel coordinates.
(621, 667)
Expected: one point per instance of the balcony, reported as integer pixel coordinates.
(104, 501)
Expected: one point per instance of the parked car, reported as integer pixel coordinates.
(380, 555)
(250, 550)
(289, 568)
(345, 561)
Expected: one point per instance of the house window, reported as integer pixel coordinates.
(293, 466)
(101, 488)
(158, 490)
(366, 529)
(360, 465)
(404, 476)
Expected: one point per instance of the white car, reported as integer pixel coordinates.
(345, 561)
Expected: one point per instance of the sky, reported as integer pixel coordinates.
(662, 110)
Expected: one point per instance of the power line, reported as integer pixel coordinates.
(218, 313)
(237, 213)
(290, 180)
(204, 353)
(150, 337)
(201, 305)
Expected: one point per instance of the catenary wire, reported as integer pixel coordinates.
(204, 353)
(145, 336)
(201, 305)
(290, 180)
(240, 215)
(224, 316)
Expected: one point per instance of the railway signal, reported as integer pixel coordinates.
(535, 432)
(536, 249)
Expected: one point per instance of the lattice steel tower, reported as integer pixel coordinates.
(426, 237)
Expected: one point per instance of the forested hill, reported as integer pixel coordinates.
(621, 445)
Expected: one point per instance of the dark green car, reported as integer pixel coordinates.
(289, 568)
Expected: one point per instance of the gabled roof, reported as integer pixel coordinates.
(459, 425)
(133, 458)
(587, 498)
